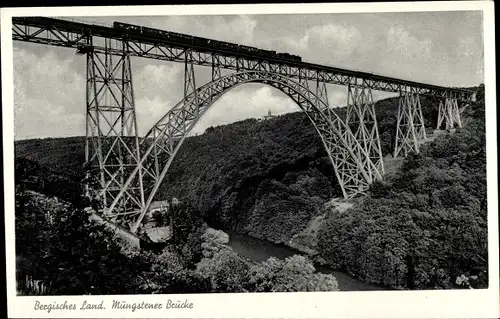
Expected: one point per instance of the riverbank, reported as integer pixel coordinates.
(260, 250)
(303, 243)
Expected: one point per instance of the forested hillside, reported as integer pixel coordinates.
(423, 227)
(61, 251)
(426, 226)
(264, 178)
(63, 155)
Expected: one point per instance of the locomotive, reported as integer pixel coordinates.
(155, 34)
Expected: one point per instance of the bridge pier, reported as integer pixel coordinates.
(112, 143)
(189, 75)
(216, 67)
(350, 179)
(360, 162)
(361, 119)
(449, 113)
(410, 129)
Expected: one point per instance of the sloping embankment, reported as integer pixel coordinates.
(306, 241)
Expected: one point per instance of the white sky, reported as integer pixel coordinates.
(442, 48)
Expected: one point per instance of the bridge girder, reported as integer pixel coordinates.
(57, 32)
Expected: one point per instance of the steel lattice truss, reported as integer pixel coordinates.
(64, 33)
(124, 173)
(362, 120)
(449, 113)
(112, 144)
(352, 180)
(164, 140)
(410, 131)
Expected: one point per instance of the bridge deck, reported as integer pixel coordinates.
(58, 32)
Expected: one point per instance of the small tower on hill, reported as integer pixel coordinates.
(269, 115)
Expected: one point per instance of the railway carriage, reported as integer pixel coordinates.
(203, 42)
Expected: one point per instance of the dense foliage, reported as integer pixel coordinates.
(58, 245)
(45, 178)
(425, 227)
(295, 273)
(233, 174)
(188, 228)
(265, 178)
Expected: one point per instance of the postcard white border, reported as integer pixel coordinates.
(387, 304)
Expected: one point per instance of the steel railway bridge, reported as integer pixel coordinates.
(126, 170)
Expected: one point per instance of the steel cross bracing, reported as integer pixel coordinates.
(112, 144)
(126, 174)
(189, 75)
(164, 140)
(410, 129)
(362, 120)
(63, 33)
(215, 67)
(449, 113)
(352, 180)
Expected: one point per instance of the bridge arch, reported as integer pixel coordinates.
(164, 139)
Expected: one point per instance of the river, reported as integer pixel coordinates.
(260, 250)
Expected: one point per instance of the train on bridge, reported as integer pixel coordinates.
(190, 40)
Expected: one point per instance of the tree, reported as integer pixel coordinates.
(212, 241)
(295, 273)
(226, 270)
(168, 275)
(68, 251)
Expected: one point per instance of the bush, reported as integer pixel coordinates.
(294, 274)
(227, 271)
